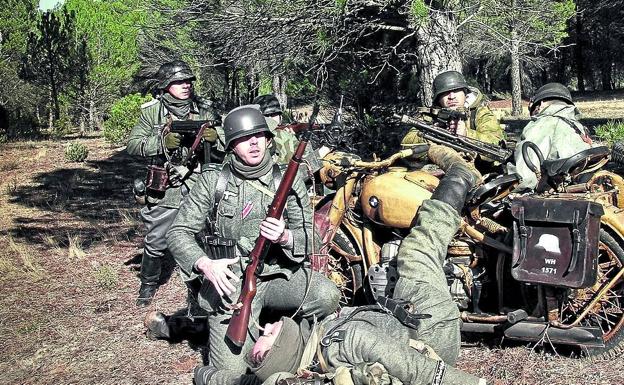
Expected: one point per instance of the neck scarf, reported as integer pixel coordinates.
(178, 107)
(252, 172)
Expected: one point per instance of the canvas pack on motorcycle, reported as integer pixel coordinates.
(555, 241)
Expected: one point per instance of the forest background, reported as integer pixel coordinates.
(89, 64)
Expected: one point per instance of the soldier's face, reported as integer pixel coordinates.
(180, 89)
(453, 99)
(265, 342)
(251, 148)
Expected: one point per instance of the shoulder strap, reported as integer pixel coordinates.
(582, 132)
(473, 118)
(222, 181)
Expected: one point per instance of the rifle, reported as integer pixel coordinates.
(465, 144)
(237, 328)
(191, 132)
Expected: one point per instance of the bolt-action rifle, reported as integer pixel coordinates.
(464, 144)
(237, 328)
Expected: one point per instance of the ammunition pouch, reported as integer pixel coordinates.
(219, 247)
(555, 241)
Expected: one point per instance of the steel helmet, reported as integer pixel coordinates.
(269, 105)
(173, 71)
(242, 121)
(550, 91)
(447, 81)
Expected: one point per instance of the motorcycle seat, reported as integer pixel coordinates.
(576, 163)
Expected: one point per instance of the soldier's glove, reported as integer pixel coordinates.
(210, 135)
(172, 140)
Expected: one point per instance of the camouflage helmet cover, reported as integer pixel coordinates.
(173, 71)
(550, 91)
(447, 81)
(269, 105)
(242, 121)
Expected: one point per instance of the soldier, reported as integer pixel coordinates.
(555, 129)
(380, 341)
(284, 142)
(233, 199)
(451, 91)
(177, 101)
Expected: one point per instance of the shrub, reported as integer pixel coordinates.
(610, 132)
(76, 152)
(124, 114)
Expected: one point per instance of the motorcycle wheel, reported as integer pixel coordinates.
(608, 314)
(347, 275)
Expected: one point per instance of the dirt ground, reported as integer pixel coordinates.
(70, 247)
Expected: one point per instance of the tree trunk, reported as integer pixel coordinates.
(578, 52)
(50, 111)
(279, 89)
(437, 50)
(516, 87)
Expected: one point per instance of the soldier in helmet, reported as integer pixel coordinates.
(284, 142)
(176, 101)
(555, 129)
(413, 337)
(233, 198)
(451, 91)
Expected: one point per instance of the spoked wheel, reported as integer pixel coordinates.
(608, 312)
(345, 274)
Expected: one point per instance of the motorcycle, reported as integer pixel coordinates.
(542, 266)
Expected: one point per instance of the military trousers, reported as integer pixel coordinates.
(157, 220)
(309, 291)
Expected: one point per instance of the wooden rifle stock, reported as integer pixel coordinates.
(237, 327)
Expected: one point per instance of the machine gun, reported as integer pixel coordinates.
(237, 328)
(191, 132)
(464, 144)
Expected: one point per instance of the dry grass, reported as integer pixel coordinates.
(19, 259)
(74, 247)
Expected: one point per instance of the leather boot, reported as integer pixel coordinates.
(156, 324)
(444, 157)
(150, 274)
(454, 186)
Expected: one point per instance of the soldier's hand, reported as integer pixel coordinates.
(218, 273)
(275, 230)
(172, 140)
(210, 135)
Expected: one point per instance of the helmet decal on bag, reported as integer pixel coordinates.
(242, 121)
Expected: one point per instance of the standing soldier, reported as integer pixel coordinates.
(175, 101)
(230, 202)
(451, 91)
(555, 129)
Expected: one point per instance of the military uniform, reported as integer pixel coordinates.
(558, 134)
(283, 147)
(358, 339)
(283, 285)
(481, 124)
(145, 140)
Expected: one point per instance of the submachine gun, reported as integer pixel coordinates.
(439, 135)
(192, 132)
(237, 328)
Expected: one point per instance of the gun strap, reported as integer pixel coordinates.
(222, 181)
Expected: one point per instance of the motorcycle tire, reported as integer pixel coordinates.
(617, 153)
(608, 314)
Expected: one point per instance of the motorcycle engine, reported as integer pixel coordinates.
(459, 275)
(382, 276)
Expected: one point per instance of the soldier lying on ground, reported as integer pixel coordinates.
(233, 199)
(372, 341)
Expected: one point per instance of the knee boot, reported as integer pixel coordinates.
(454, 185)
(150, 274)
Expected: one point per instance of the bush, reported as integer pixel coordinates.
(124, 114)
(610, 132)
(76, 152)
